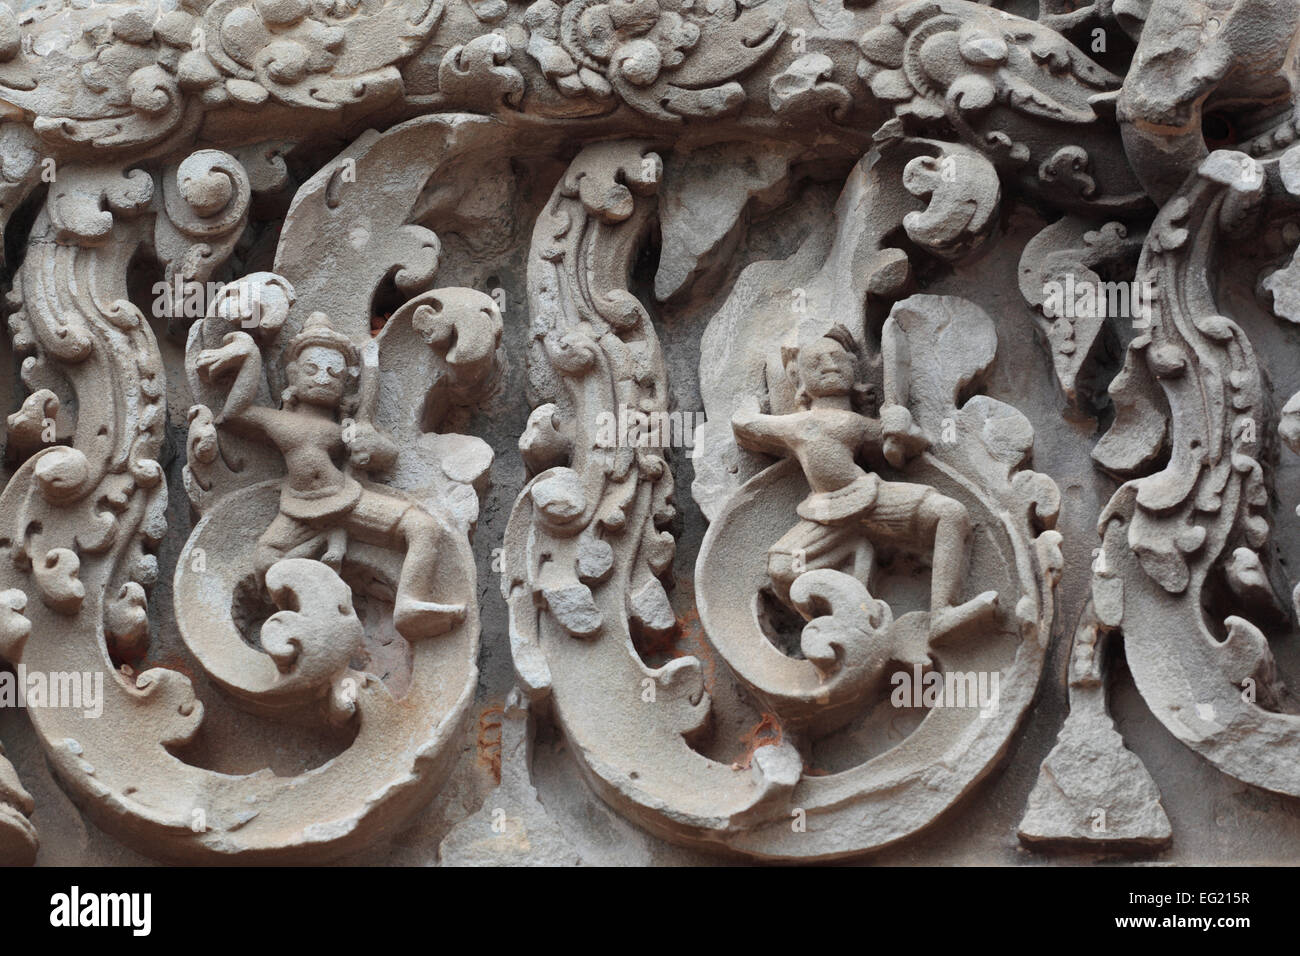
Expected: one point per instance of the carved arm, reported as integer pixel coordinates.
(238, 352)
(759, 432)
(902, 440)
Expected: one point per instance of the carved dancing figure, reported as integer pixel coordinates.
(319, 500)
(850, 508)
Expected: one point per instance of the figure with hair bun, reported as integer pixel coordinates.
(849, 508)
(321, 500)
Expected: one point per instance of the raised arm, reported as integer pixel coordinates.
(238, 352)
(370, 448)
(903, 439)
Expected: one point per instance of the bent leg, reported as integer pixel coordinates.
(810, 546)
(416, 613)
(952, 530)
(282, 537)
(395, 522)
(951, 535)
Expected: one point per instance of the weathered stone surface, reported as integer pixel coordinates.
(726, 402)
(1092, 791)
(512, 828)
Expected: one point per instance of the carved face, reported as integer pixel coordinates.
(319, 376)
(825, 368)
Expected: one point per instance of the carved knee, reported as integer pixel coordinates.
(782, 568)
(417, 525)
(264, 556)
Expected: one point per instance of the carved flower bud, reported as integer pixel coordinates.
(883, 46)
(639, 61)
(206, 189)
(126, 622)
(175, 28)
(151, 90)
(133, 27)
(61, 473)
(281, 13)
(1167, 361)
(260, 300)
(941, 58)
(196, 71)
(286, 61)
(634, 17)
(574, 354)
(677, 34)
(27, 425)
(246, 93)
(332, 38)
(596, 31)
(983, 49)
(201, 442)
(243, 34)
(95, 77)
(559, 497)
(543, 444)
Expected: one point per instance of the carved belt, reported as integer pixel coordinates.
(313, 507)
(826, 507)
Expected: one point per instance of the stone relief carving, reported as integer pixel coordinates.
(431, 236)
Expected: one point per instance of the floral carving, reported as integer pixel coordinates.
(351, 184)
